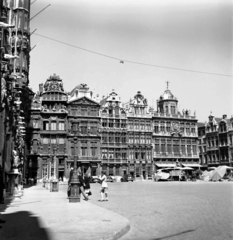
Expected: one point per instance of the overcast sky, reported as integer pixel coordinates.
(190, 34)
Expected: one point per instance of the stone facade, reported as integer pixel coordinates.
(121, 138)
(216, 141)
(175, 139)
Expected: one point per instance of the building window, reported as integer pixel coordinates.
(123, 138)
(148, 139)
(53, 140)
(117, 138)
(117, 111)
(156, 129)
(61, 140)
(168, 126)
(35, 124)
(93, 112)
(104, 154)
(84, 148)
(83, 111)
(110, 112)
(143, 155)
(45, 125)
(111, 137)
(104, 123)
(83, 127)
(61, 126)
(157, 149)
(188, 131)
(124, 154)
(148, 126)
(176, 147)
(110, 123)
(194, 149)
(93, 151)
(162, 128)
(123, 123)
(189, 147)
(53, 126)
(169, 146)
(117, 153)
(130, 139)
(117, 123)
(105, 138)
(142, 139)
(45, 141)
(183, 147)
(111, 153)
(173, 110)
(163, 150)
(75, 127)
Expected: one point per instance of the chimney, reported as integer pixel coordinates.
(40, 87)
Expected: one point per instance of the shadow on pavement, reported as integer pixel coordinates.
(22, 226)
(173, 235)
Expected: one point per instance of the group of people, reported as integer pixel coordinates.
(84, 185)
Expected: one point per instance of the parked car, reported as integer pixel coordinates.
(110, 179)
(127, 178)
(95, 179)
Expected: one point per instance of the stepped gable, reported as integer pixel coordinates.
(53, 84)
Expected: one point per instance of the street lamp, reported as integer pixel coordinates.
(74, 183)
(54, 182)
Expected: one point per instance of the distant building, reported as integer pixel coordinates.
(139, 137)
(114, 148)
(216, 141)
(175, 138)
(120, 138)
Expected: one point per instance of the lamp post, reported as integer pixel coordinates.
(54, 182)
(74, 183)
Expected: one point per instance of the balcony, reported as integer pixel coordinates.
(60, 98)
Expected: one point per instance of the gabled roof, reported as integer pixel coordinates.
(84, 100)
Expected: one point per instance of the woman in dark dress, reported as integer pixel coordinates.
(87, 180)
(81, 184)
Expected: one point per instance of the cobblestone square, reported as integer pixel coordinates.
(176, 210)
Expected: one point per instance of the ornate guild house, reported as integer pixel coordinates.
(106, 134)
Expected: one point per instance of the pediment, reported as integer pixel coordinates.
(84, 101)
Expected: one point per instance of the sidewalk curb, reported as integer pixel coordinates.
(58, 219)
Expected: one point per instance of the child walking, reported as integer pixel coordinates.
(104, 187)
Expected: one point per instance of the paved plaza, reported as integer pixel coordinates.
(138, 210)
(172, 210)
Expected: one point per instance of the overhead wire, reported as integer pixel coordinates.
(128, 61)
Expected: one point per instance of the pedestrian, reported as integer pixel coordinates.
(104, 187)
(87, 180)
(81, 183)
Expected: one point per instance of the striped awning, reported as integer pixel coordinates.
(164, 165)
(191, 165)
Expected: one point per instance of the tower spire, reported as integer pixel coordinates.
(167, 84)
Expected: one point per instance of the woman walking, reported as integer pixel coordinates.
(87, 180)
(104, 187)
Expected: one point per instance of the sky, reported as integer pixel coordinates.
(191, 35)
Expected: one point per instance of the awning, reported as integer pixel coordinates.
(164, 165)
(191, 165)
